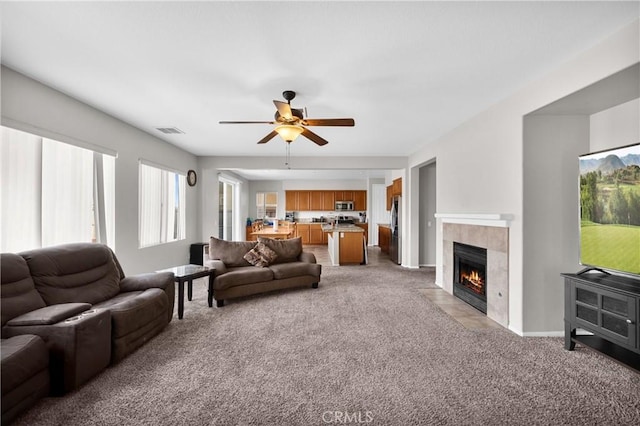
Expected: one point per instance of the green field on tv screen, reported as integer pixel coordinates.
(610, 246)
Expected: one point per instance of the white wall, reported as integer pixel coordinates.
(36, 108)
(427, 209)
(614, 127)
(552, 144)
(493, 142)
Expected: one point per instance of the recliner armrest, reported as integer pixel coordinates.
(49, 314)
(142, 282)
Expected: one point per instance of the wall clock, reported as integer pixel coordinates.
(192, 178)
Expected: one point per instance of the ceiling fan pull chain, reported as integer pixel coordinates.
(288, 156)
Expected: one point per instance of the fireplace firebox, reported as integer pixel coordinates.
(470, 275)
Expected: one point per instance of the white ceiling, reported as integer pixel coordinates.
(407, 72)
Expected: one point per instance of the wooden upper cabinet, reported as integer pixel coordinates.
(347, 196)
(317, 200)
(397, 186)
(328, 200)
(389, 196)
(291, 201)
(304, 201)
(359, 200)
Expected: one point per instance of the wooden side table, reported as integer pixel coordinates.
(188, 273)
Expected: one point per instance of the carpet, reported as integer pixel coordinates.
(364, 348)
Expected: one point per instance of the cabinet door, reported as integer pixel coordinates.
(389, 196)
(360, 200)
(291, 201)
(397, 186)
(347, 195)
(304, 201)
(365, 226)
(609, 314)
(303, 232)
(339, 196)
(315, 234)
(328, 200)
(316, 200)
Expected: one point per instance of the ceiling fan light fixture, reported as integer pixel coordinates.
(289, 132)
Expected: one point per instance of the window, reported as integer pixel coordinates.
(227, 208)
(162, 216)
(266, 205)
(54, 193)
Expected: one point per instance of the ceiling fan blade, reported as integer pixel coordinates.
(329, 122)
(284, 109)
(313, 137)
(246, 122)
(268, 137)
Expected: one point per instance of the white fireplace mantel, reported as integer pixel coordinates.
(502, 220)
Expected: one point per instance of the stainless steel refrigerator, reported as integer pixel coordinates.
(395, 248)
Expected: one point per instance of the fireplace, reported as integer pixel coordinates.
(470, 275)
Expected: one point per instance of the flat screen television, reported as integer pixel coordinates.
(610, 210)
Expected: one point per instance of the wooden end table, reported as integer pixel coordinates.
(188, 273)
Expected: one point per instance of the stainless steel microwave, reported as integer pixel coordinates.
(344, 206)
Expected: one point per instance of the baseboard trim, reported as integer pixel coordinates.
(544, 334)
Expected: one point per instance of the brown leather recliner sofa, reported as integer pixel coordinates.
(236, 277)
(78, 300)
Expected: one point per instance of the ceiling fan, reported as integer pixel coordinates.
(291, 122)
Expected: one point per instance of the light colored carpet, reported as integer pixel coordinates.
(366, 344)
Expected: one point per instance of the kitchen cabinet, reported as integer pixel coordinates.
(351, 249)
(364, 226)
(389, 196)
(397, 187)
(291, 201)
(316, 200)
(304, 201)
(384, 238)
(303, 232)
(315, 234)
(323, 200)
(328, 201)
(360, 200)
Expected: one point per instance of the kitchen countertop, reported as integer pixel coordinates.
(342, 228)
(384, 225)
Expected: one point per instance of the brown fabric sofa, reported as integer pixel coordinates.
(236, 277)
(25, 374)
(78, 300)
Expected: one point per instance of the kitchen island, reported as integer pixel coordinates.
(346, 244)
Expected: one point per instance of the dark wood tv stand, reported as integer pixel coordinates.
(609, 307)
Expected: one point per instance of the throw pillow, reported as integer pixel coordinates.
(287, 250)
(260, 255)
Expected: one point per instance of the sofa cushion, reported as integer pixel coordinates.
(295, 269)
(241, 276)
(260, 255)
(19, 294)
(133, 310)
(22, 358)
(287, 250)
(78, 272)
(230, 252)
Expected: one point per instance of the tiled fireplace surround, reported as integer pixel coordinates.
(493, 237)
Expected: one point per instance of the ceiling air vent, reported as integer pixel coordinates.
(170, 130)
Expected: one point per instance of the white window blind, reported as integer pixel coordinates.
(52, 193)
(162, 215)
